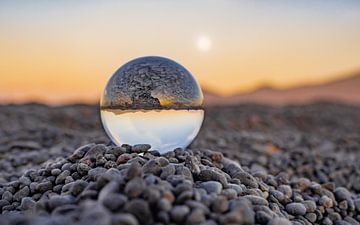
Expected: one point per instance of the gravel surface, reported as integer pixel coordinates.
(288, 165)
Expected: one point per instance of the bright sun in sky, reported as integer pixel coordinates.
(203, 43)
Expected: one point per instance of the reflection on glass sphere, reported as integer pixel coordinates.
(152, 100)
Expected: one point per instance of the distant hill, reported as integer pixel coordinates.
(346, 90)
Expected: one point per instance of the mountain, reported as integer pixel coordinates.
(346, 90)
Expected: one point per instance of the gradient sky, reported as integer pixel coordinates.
(63, 51)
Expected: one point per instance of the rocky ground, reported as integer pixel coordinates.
(249, 165)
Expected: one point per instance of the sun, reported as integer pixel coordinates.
(203, 43)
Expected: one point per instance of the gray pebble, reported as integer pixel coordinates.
(178, 213)
(212, 187)
(24, 192)
(256, 200)
(135, 187)
(141, 210)
(114, 201)
(44, 186)
(210, 175)
(140, 148)
(27, 203)
(296, 209)
(124, 219)
(279, 221)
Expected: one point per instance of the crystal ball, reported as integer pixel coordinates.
(152, 100)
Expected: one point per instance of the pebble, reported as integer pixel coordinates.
(140, 148)
(212, 187)
(135, 187)
(44, 186)
(210, 175)
(140, 209)
(256, 200)
(279, 221)
(310, 206)
(326, 201)
(26, 203)
(24, 192)
(296, 209)
(62, 176)
(114, 201)
(178, 213)
(124, 219)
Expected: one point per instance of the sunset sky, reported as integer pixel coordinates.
(65, 51)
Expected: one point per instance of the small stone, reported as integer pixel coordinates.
(326, 201)
(357, 204)
(311, 217)
(94, 214)
(246, 179)
(77, 187)
(3, 203)
(210, 175)
(55, 172)
(351, 220)
(124, 219)
(296, 209)
(327, 221)
(96, 172)
(164, 205)
(25, 181)
(178, 213)
(310, 206)
(95, 151)
(123, 158)
(140, 209)
(69, 179)
(208, 222)
(343, 205)
(8, 196)
(262, 217)
(195, 217)
(152, 166)
(24, 192)
(279, 221)
(114, 201)
(220, 204)
(241, 212)
(56, 201)
(342, 194)
(83, 169)
(116, 151)
(342, 222)
(256, 200)
(62, 176)
(167, 171)
(286, 189)
(140, 148)
(236, 187)
(135, 187)
(27, 203)
(212, 187)
(133, 171)
(229, 193)
(80, 152)
(44, 186)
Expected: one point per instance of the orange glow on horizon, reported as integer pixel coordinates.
(65, 52)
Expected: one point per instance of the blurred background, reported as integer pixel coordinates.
(274, 52)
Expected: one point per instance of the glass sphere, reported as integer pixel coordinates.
(152, 100)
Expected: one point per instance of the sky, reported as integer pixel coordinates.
(65, 51)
